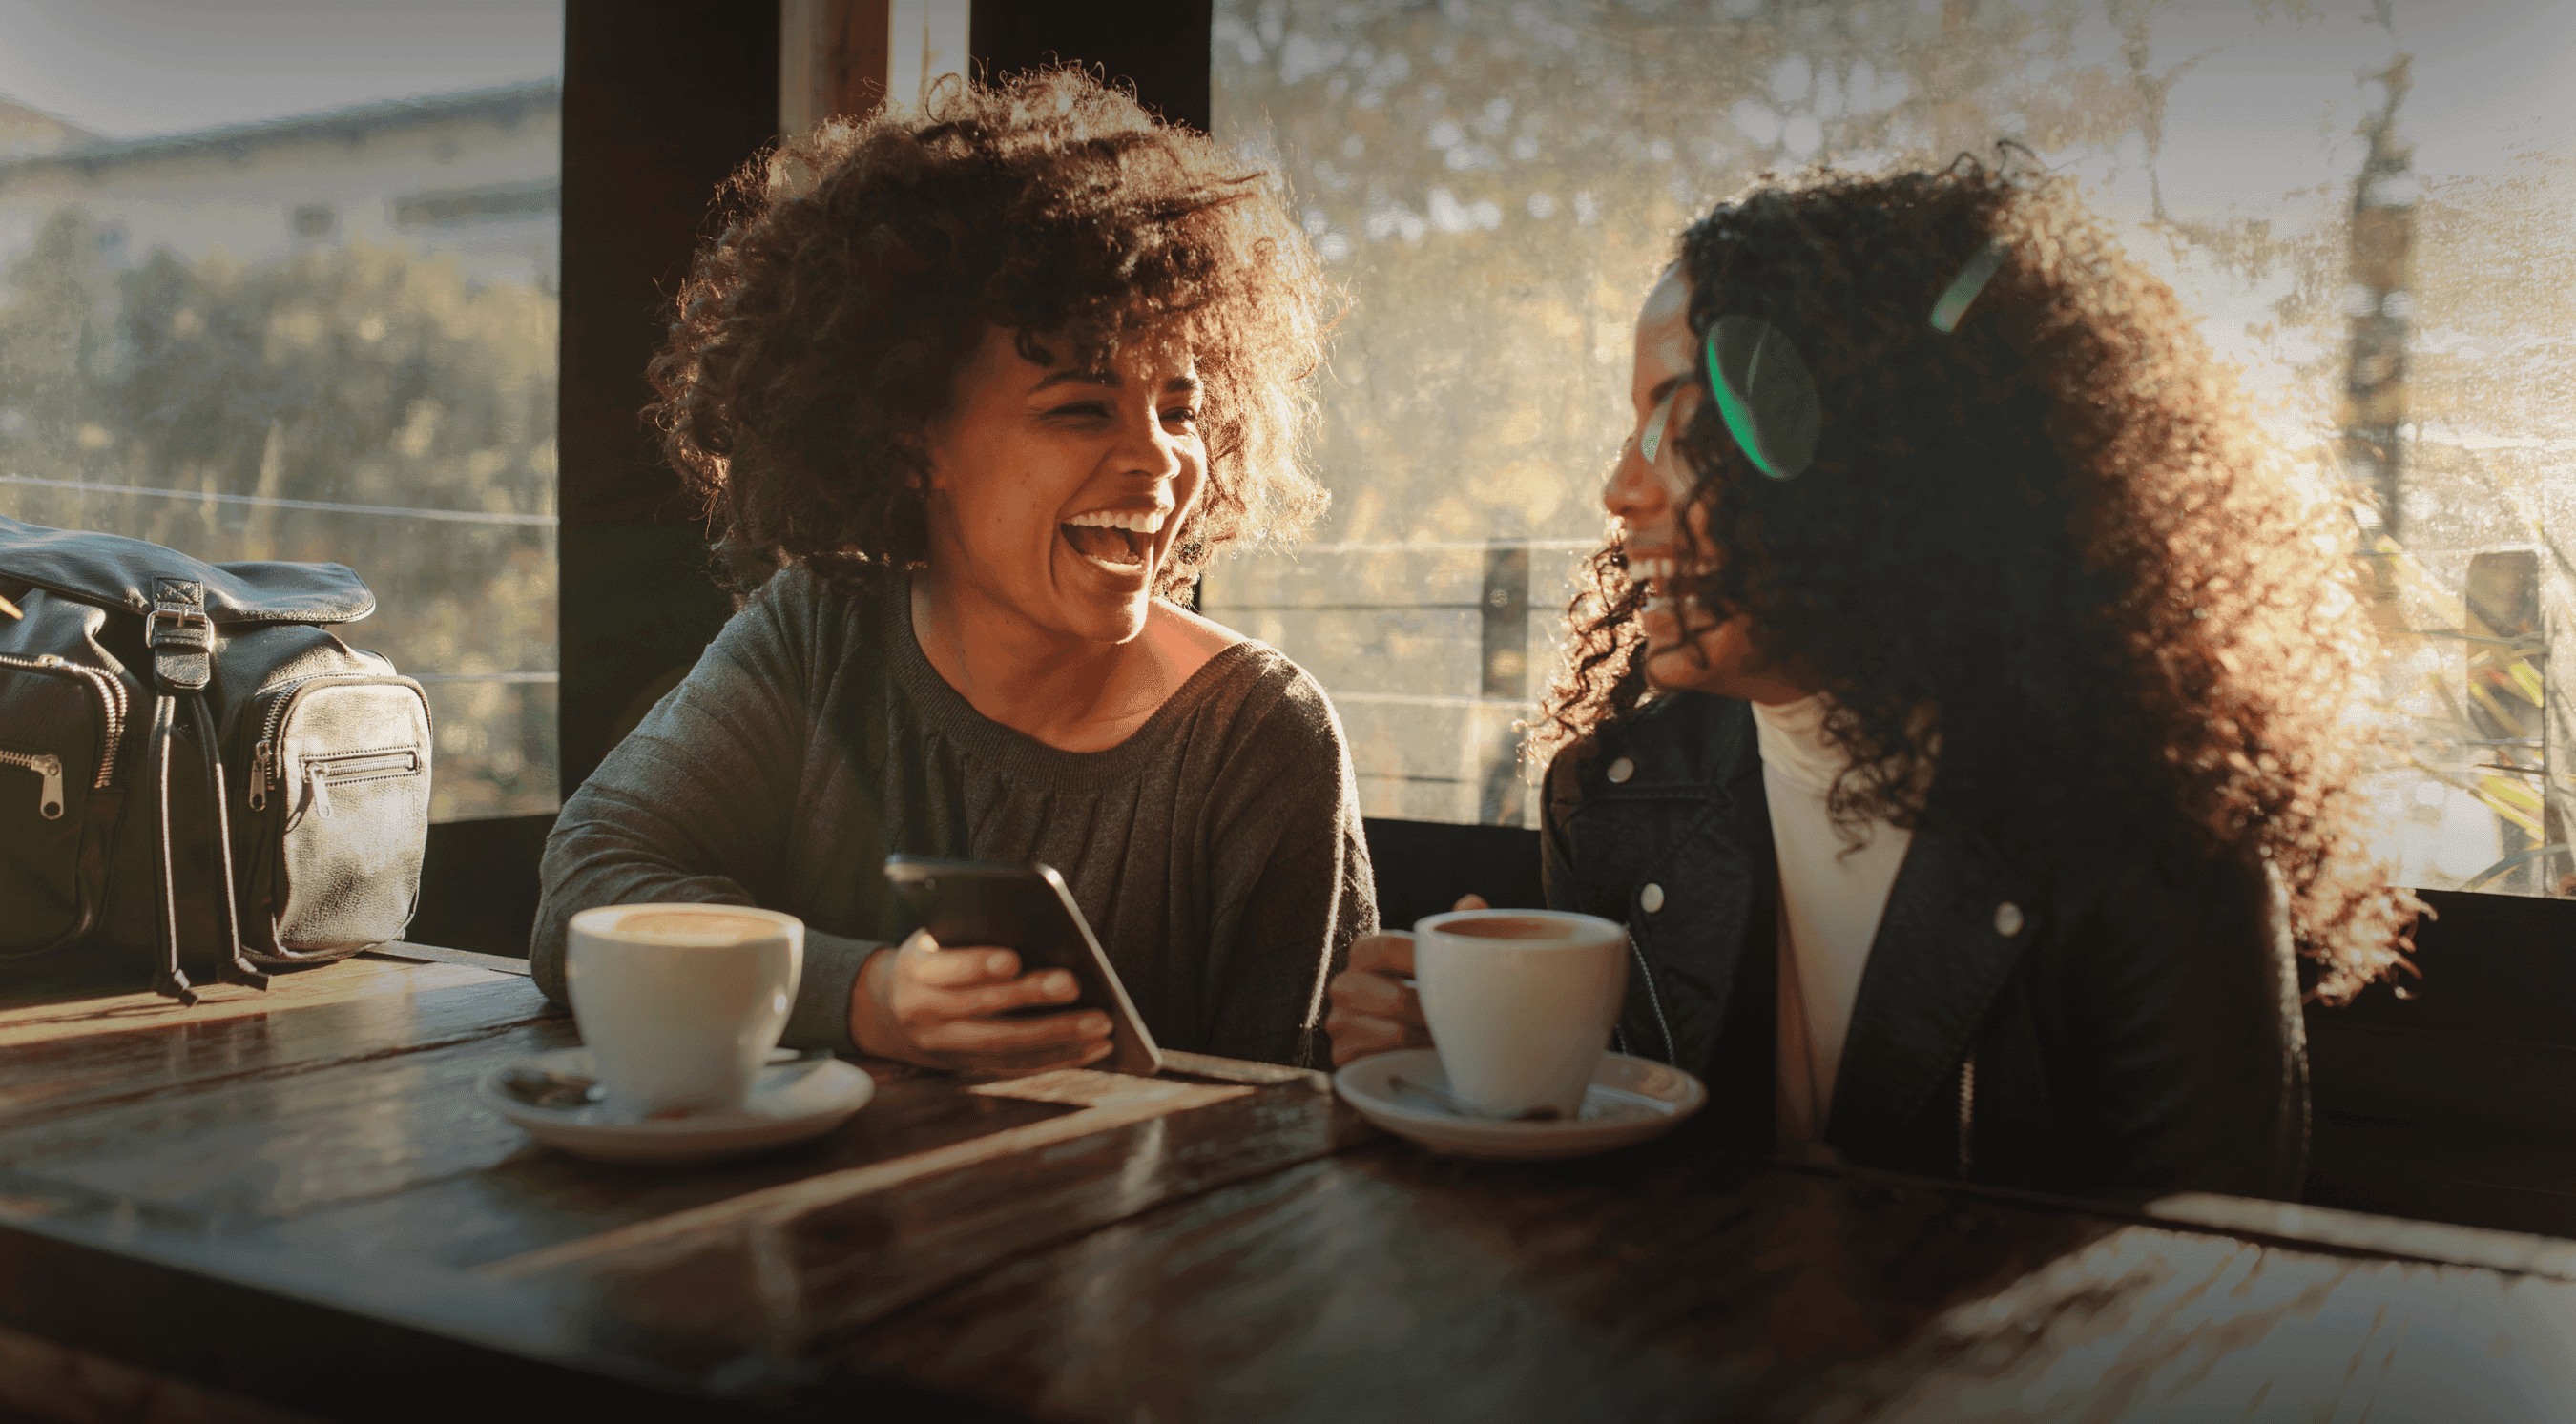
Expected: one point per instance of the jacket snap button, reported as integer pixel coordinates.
(1621, 770)
(2008, 919)
(1651, 898)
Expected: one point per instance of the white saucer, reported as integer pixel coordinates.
(1631, 1100)
(785, 1107)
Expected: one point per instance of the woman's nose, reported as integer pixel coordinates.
(1632, 493)
(1150, 450)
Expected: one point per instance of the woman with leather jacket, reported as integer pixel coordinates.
(1956, 717)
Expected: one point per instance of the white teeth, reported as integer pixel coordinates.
(1652, 568)
(1133, 521)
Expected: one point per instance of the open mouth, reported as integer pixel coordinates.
(1120, 541)
(1654, 573)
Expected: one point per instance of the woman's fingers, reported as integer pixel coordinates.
(955, 968)
(1377, 996)
(947, 1007)
(1008, 1036)
(1374, 1010)
(923, 1005)
(1050, 986)
(1382, 954)
(1359, 1035)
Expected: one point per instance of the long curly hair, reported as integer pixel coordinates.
(816, 338)
(2045, 555)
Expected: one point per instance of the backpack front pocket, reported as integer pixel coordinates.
(338, 808)
(59, 728)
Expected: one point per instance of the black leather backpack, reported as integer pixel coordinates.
(194, 771)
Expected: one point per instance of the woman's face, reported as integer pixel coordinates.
(1055, 493)
(1687, 647)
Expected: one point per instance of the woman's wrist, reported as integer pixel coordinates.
(872, 1025)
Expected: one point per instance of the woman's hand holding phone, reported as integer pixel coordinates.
(1374, 1007)
(941, 1008)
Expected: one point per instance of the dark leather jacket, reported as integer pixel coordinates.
(2134, 1030)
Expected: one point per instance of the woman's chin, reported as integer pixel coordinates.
(1671, 668)
(1108, 603)
(1714, 662)
(1114, 618)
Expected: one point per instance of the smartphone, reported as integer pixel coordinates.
(1025, 908)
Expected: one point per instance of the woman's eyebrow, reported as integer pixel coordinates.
(1085, 378)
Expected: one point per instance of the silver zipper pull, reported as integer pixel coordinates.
(50, 660)
(317, 795)
(50, 802)
(263, 764)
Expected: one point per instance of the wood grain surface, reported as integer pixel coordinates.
(1387, 1284)
(291, 1198)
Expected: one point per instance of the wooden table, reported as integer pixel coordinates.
(290, 1204)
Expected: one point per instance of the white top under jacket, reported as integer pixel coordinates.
(1831, 898)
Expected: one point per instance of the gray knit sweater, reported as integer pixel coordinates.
(1217, 852)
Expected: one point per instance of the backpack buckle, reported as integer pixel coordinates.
(181, 636)
(181, 603)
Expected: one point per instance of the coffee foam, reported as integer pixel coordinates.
(690, 929)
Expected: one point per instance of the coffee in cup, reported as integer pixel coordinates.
(1520, 1003)
(680, 1004)
(1489, 925)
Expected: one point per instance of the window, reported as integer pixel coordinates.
(2373, 206)
(509, 202)
(370, 381)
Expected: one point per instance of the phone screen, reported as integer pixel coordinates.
(1027, 909)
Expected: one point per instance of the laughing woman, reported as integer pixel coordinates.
(1955, 721)
(975, 392)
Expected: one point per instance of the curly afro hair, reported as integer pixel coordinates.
(816, 339)
(2048, 546)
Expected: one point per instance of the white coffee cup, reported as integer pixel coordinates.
(680, 1004)
(1520, 1003)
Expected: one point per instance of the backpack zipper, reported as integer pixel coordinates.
(322, 773)
(111, 704)
(264, 769)
(49, 802)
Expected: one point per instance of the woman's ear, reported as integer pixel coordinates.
(921, 465)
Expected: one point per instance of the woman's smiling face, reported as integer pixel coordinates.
(1650, 489)
(1056, 492)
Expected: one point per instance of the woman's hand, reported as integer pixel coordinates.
(940, 1007)
(1374, 1009)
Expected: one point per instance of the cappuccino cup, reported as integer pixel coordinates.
(1520, 1003)
(680, 1004)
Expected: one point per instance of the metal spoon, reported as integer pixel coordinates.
(545, 1088)
(1542, 1113)
(542, 1088)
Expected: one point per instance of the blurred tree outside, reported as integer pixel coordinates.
(1496, 183)
(238, 411)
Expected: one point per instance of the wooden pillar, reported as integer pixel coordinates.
(1159, 46)
(662, 100)
(849, 56)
